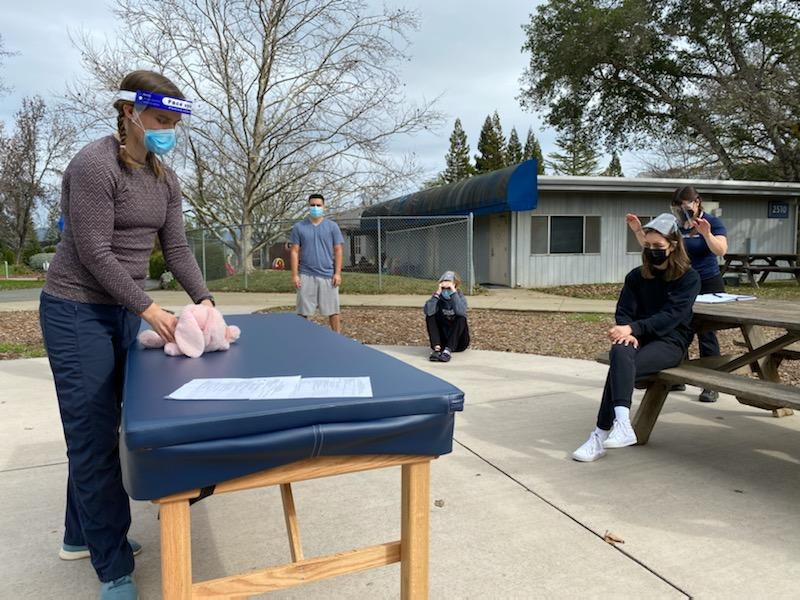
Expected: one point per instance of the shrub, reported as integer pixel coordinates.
(31, 248)
(157, 265)
(37, 261)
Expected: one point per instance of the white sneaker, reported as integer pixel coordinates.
(621, 435)
(591, 450)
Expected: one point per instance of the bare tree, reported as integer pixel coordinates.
(291, 97)
(680, 157)
(3, 53)
(29, 158)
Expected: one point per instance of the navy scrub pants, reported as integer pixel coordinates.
(627, 364)
(707, 342)
(87, 345)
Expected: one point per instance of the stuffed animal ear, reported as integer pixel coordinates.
(150, 339)
(232, 333)
(189, 336)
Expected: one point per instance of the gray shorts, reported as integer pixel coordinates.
(317, 292)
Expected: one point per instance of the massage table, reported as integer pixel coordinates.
(176, 452)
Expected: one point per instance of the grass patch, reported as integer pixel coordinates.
(777, 290)
(590, 317)
(9, 351)
(20, 284)
(352, 283)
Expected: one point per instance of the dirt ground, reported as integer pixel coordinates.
(568, 335)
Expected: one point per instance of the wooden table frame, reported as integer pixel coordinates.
(411, 550)
(764, 263)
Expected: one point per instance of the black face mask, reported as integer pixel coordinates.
(655, 256)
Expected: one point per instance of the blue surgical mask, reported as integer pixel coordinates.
(159, 141)
(446, 293)
(317, 212)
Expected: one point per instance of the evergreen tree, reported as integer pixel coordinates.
(514, 148)
(457, 158)
(614, 168)
(533, 150)
(491, 147)
(578, 156)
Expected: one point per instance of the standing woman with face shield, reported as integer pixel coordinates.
(116, 197)
(705, 239)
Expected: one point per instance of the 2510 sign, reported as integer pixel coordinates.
(778, 210)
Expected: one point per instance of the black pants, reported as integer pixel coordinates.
(448, 333)
(629, 364)
(709, 345)
(87, 345)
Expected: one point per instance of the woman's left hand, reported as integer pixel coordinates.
(628, 340)
(619, 331)
(702, 226)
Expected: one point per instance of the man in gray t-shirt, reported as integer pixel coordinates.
(316, 261)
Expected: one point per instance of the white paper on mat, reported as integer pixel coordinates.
(274, 388)
(334, 387)
(253, 388)
(722, 297)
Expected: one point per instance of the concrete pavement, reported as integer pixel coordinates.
(241, 302)
(707, 509)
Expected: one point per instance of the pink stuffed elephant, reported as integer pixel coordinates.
(200, 329)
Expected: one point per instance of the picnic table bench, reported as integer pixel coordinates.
(762, 265)
(759, 354)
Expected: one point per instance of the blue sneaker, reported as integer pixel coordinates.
(69, 552)
(120, 589)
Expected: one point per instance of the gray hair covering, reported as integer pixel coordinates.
(448, 276)
(665, 223)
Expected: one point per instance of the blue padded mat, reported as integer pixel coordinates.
(168, 446)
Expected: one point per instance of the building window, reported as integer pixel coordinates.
(565, 235)
(631, 243)
(356, 244)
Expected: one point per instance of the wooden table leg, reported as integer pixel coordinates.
(292, 527)
(767, 366)
(176, 551)
(646, 416)
(414, 531)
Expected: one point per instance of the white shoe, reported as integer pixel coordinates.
(591, 450)
(621, 435)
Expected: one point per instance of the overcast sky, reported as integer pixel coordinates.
(467, 51)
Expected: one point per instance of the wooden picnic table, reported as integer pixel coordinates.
(761, 264)
(761, 352)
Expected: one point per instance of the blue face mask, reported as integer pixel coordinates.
(159, 141)
(317, 212)
(446, 293)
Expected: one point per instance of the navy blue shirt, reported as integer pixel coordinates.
(704, 261)
(657, 309)
(316, 246)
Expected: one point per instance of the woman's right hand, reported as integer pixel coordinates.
(161, 321)
(633, 222)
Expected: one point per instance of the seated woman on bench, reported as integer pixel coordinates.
(653, 329)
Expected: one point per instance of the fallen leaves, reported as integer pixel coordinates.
(612, 538)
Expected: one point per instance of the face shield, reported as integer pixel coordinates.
(683, 213)
(164, 120)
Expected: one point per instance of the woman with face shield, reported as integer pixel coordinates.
(653, 329)
(117, 196)
(705, 238)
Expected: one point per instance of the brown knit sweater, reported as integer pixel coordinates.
(111, 217)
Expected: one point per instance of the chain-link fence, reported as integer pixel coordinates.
(385, 254)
